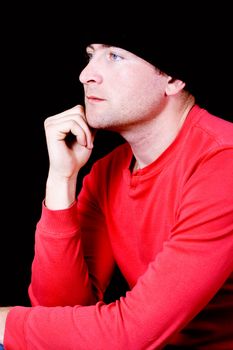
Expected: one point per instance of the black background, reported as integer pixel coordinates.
(39, 68)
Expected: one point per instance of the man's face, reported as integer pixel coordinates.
(121, 89)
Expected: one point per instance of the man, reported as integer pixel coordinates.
(159, 206)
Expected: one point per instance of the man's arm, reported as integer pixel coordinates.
(68, 268)
(69, 142)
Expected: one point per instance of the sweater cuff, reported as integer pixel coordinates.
(14, 337)
(59, 221)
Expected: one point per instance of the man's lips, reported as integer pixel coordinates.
(94, 99)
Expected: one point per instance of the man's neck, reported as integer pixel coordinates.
(150, 140)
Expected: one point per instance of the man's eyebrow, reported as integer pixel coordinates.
(92, 47)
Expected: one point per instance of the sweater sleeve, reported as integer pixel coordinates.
(183, 278)
(70, 268)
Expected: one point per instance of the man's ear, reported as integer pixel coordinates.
(174, 86)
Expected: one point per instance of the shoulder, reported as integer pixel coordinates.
(215, 128)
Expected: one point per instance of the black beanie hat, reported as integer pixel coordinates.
(178, 46)
(145, 42)
(170, 52)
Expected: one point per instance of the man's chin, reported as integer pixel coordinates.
(92, 124)
(97, 122)
(94, 121)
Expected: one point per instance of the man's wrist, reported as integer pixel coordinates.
(60, 195)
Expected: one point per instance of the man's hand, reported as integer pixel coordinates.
(70, 142)
(3, 315)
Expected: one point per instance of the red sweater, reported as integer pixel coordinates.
(169, 228)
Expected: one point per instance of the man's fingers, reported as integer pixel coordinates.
(64, 129)
(72, 121)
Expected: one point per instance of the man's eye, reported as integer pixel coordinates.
(115, 57)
